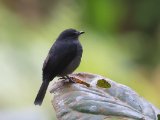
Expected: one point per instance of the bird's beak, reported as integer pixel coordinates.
(81, 32)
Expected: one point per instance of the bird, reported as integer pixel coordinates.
(63, 58)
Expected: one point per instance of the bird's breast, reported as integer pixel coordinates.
(74, 63)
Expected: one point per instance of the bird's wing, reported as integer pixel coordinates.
(58, 59)
(46, 61)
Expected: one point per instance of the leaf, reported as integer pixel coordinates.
(103, 83)
(73, 101)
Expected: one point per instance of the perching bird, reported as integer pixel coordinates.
(63, 58)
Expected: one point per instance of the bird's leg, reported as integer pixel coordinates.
(77, 80)
(64, 78)
(70, 79)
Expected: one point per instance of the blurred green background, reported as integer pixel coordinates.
(122, 42)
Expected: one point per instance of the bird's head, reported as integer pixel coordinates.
(70, 34)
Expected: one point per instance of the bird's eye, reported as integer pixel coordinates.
(74, 33)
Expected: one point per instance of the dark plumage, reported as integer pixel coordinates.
(63, 58)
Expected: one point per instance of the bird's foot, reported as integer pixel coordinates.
(69, 78)
(64, 78)
(76, 80)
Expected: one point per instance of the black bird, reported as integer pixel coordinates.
(63, 58)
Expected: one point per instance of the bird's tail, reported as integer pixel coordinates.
(41, 93)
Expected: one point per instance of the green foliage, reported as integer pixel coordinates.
(158, 116)
(103, 83)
